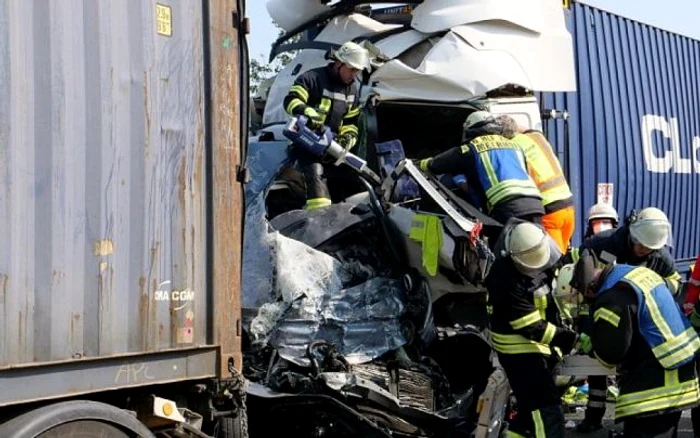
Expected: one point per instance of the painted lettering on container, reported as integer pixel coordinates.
(673, 157)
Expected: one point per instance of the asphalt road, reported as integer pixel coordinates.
(685, 429)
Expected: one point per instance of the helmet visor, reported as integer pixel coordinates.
(537, 259)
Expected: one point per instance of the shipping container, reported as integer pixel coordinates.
(633, 131)
(120, 215)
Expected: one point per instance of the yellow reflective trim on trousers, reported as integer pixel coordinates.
(526, 320)
(674, 359)
(682, 395)
(300, 91)
(606, 315)
(352, 113)
(539, 424)
(293, 104)
(517, 344)
(549, 333)
(317, 203)
(647, 280)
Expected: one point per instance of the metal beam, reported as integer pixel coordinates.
(51, 380)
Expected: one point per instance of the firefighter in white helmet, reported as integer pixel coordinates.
(641, 241)
(524, 326)
(601, 217)
(328, 96)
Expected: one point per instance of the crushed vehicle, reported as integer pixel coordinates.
(353, 322)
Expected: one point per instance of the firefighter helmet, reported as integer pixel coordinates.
(528, 246)
(651, 228)
(477, 117)
(353, 55)
(603, 210)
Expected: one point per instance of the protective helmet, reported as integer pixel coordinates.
(651, 228)
(477, 117)
(528, 246)
(603, 210)
(563, 281)
(566, 297)
(353, 55)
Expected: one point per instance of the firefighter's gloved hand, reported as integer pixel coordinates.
(347, 141)
(565, 340)
(584, 344)
(315, 121)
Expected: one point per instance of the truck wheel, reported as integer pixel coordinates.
(84, 429)
(80, 418)
(236, 427)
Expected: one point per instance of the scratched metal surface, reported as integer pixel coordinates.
(102, 183)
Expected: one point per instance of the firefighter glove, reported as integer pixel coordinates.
(425, 164)
(564, 339)
(347, 141)
(315, 121)
(584, 344)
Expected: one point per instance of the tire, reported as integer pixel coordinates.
(56, 420)
(84, 429)
(233, 427)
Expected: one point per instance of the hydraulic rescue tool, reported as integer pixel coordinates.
(325, 147)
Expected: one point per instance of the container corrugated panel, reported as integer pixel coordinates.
(634, 121)
(102, 187)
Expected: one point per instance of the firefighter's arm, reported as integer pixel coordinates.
(348, 132)
(527, 321)
(663, 264)
(452, 162)
(295, 102)
(612, 330)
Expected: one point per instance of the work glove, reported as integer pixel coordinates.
(347, 141)
(584, 344)
(565, 340)
(315, 121)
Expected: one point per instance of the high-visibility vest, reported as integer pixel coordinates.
(544, 167)
(501, 169)
(661, 322)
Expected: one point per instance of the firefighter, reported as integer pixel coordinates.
(640, 329)
(642, 241)
(328, 96)
(495, 171)
(691, 307)
(601, 217)
(545, 170)
(525, 328)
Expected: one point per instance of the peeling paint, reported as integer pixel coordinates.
(103, 247)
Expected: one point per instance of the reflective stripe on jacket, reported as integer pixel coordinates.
(661, 322)
(501, 168)
(544, 167)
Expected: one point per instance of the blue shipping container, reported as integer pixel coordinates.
(634, 121)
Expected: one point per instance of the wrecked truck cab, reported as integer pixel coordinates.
(350, 322)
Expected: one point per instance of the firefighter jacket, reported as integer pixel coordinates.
(545, 170)
(495, 170)
(335, 102)
(523, 316)
(638, 327)
(616, 245)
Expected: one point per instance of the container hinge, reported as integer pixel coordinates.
(242, 174)
(553, 114)
(240, 23)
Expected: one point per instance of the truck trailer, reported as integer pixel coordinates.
(120, 136)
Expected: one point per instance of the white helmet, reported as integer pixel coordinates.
(353, 55)
(477, 117)
(563, 281)
(603, 210)
(651, 228)
(566, 297)
(528, 246)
